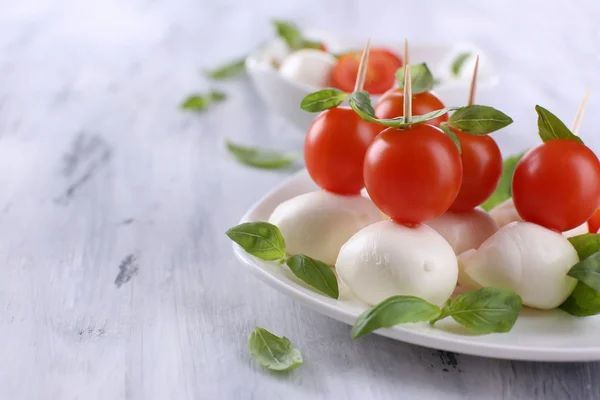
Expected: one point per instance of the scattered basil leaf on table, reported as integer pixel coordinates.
(393, 311)
(229, 70)
(315, 273)
(273, 352)
(550, 127)
(323, 100)
(458, 63)
(478, 120)
(588, 271)
(261, 158)
(452, 136)
(420, 76)
(503, 191)
(200, 102)
(260, 239)
(584, 301)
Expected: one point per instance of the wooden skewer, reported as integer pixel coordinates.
(473, 88)
(407, 85)
(362, 68)
(579, 115)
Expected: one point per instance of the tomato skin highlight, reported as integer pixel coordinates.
(381, 71)
(482, 167)
(334, 150)
(594, 222)
(557, 185)
(391, 105)
(413, 175)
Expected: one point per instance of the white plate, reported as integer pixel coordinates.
(537, 335)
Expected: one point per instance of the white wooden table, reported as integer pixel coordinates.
(116, 278)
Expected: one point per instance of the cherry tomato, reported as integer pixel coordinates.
(482, 166)
(391, 105)
(381, 71)
(413, 175)
(334, 150)
(557, 185)
(594, 222)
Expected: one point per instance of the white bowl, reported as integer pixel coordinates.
(283, 95)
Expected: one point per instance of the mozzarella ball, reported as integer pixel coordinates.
(317, 224)
(527, 258)
(310, 66)
(505, 213)
(387, 259)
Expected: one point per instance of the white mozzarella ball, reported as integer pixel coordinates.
(505, 213)
(317, 224)
(527, 258)
(310, 66)
(387, 259)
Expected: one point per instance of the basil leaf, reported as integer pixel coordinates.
(503, 191)
(229, 70)
(420, 76)
(260, 239)
(586, 244)
(588, 271)
(361, 104)
(260, 158)
(273, 352)
(200, 102)
(550, 127)
(583, 302)
(315, 273)
(312, 44)
(289, 33)
(458, 63)
(478, 120)
(392, 311)
(444, 313)
(452, 136)
(486, 310)
(323, 100)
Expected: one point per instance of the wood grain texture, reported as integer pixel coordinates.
(116, 278)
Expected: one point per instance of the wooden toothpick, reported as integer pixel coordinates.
(407, 85)
(473, 88)
(362, 68)
(579, 115)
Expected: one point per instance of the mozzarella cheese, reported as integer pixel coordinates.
(505, 213)
(317, 224)
(387, 259)
(310, 66)
(527, 258)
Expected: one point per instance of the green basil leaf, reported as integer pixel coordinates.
(458, 63)
(583, 302)
(324, 99)
(452, 136)
(289, 33)
(503, 191)
(550, 127)
(444, 313)
(260, 158)
(361, 104)
(315, 273)
(312, 44)
(588, 271)
(273, 352)
(420, 76)
(229, 70)
(200, 102)
(487, 310)
(586, 244)
(260, 239)
(478, 120)
(393, 311)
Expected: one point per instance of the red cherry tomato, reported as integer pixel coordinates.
(381, 71)
(391, 105)
(413, 175)
(334, 150)
(594, 222)
(557, 185)
(482, 166)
